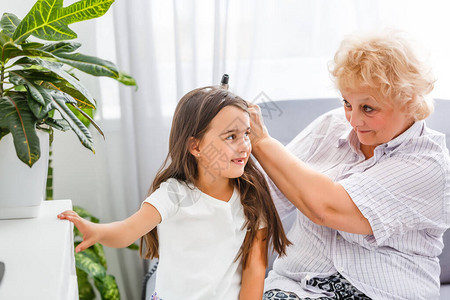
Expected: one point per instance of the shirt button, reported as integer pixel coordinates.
(307, 277)
(340, 269)
(339, 237)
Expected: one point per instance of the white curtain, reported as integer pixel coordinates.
(279, 49)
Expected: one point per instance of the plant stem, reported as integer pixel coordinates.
(49, 184)
(9, 67)
(2, 77)
(6, 90)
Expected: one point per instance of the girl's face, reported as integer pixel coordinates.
(225, 148)
(375, 122)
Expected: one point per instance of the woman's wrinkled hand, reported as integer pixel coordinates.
(258, 129)
(87, 229)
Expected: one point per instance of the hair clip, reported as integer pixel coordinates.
(224, 81)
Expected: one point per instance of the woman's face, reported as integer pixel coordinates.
(375, 120)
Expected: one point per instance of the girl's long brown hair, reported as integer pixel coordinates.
(192, 117)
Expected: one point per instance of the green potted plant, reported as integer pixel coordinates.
(92, 268)
(39, 93)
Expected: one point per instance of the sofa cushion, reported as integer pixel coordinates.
(444, 259)
(445, 292)
(285, 119)
(439, 121)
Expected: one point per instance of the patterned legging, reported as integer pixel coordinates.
(336, 284)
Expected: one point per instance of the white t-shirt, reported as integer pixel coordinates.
(199, 239)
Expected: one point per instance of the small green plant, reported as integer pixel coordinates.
(36, 89)
(91, 267)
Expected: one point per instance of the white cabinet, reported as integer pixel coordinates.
(38, 255)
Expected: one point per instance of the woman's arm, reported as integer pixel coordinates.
(117, 234)
(322, 200)
(254, 271)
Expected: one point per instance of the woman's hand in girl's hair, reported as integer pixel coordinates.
(87, 229)
(258, 130)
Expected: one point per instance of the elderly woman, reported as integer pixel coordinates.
(370, 183)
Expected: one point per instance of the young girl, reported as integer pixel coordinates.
(209, 216)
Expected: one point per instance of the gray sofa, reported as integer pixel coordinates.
(285, 119)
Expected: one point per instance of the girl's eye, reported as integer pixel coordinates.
(231, 137)
(247, 133)
(367, 108)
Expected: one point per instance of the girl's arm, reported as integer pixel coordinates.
(322, 200)
(117, 234)
(254, 271)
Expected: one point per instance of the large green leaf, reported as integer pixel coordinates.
(48, 19)
(39, 75)
(59, 103)
(7, 48)
(57, 69)
(32, 45)
(85, 116)
(89, 64)
(88, 262)
(84, 262)
(100, 253)
(41, 112)
(29, 52)
(126, 79)
(85, 290)
(62, 52)
(60, 47)
(59, 124)
(93, 255)
(59, 52)
(3, 132)
(40, 99)
(4, 39)
(64, 86)
(18, 78)
(96, 254)
(37, 49)
(81, 113)
(9, 23)
(16, 116)
(108, 288)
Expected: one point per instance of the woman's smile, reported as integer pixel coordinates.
(362, 131)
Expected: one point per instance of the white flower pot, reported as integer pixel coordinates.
(22, 188)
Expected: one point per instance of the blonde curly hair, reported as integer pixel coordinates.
(385, 63)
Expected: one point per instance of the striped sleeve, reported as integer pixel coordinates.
(399, 194)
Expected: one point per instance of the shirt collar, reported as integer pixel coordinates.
(415, 130)
(349, 137)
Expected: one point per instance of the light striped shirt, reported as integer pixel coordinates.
(404, 192)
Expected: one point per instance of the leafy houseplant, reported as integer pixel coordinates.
(91, 265)
(33, 81)
(39, 93)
